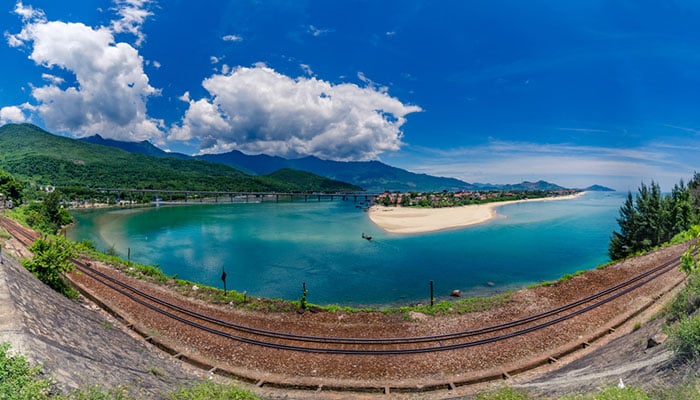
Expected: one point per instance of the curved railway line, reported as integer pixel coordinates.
(359, 346)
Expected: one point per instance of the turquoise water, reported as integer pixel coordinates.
(269, 249)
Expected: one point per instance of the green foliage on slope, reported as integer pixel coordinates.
(33, 155)
(298, 180)
(650, 218)
(51, 259)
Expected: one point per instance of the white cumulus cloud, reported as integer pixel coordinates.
(258, 110)
(12, 114)
(110, 90)
(232, 38)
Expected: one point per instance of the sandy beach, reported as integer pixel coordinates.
(421, 220)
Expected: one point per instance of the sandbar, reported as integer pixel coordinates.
(421, 220)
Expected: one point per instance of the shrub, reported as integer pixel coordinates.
(505, 393)
(51, 259)
(684, 338)
(687, 301)
(18, 380)
(212, 391)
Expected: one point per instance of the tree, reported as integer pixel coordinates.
(10, 187)
(694, 189)
(652, 219)
(621, 243)
(51, 259)
(49, 215)
(681, 211)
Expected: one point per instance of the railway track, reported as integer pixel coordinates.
(355, 345)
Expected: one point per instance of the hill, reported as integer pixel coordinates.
(35, 155)
(144, 147)
(373, 176)
(598, 188)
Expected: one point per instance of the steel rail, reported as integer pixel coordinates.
(640, 280)
(431, 349)
(383, 341)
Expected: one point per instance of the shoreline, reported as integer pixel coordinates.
(424, 220)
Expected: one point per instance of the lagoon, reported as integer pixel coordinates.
(269, 249)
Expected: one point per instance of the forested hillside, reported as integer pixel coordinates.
(36, 156)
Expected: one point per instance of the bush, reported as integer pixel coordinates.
(687, 301)
(51, 259)
(505, 393)
(18, 380)
(684, 339)
(212, 391)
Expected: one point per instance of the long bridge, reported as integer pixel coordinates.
(186, 196)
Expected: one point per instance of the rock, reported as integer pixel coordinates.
(491, 284)
(656, 340)
(456, 293)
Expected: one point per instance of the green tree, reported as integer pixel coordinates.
(51, 259)
(694, 189)
(10, 187)
(681, 212)
(651, 219)
(621, 242)
(49, 215)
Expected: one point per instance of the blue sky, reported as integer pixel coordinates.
(575, 92)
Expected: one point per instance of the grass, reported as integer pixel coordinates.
(154, 274)
(463, 306)
(684, 338)
(21, 381)
(212, 391)
(686, 391)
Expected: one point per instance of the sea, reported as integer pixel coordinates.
(273, 249)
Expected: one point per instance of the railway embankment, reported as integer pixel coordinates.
(77, 345)
(81, 346)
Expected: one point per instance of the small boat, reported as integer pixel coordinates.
(366, 237)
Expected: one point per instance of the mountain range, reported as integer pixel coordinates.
(372, 176)
(34, 155)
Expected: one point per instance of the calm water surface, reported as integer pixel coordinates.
(269, 249)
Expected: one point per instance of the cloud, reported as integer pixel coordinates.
(307, 69)
(258, 110)
(56, 80)
(12, 114)
(232, 38)
(565, 164)
(28, 13)
(316, 32)
(111, 88)
(133, 14)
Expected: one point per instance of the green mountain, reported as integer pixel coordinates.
(32, 154)
(373, 176)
